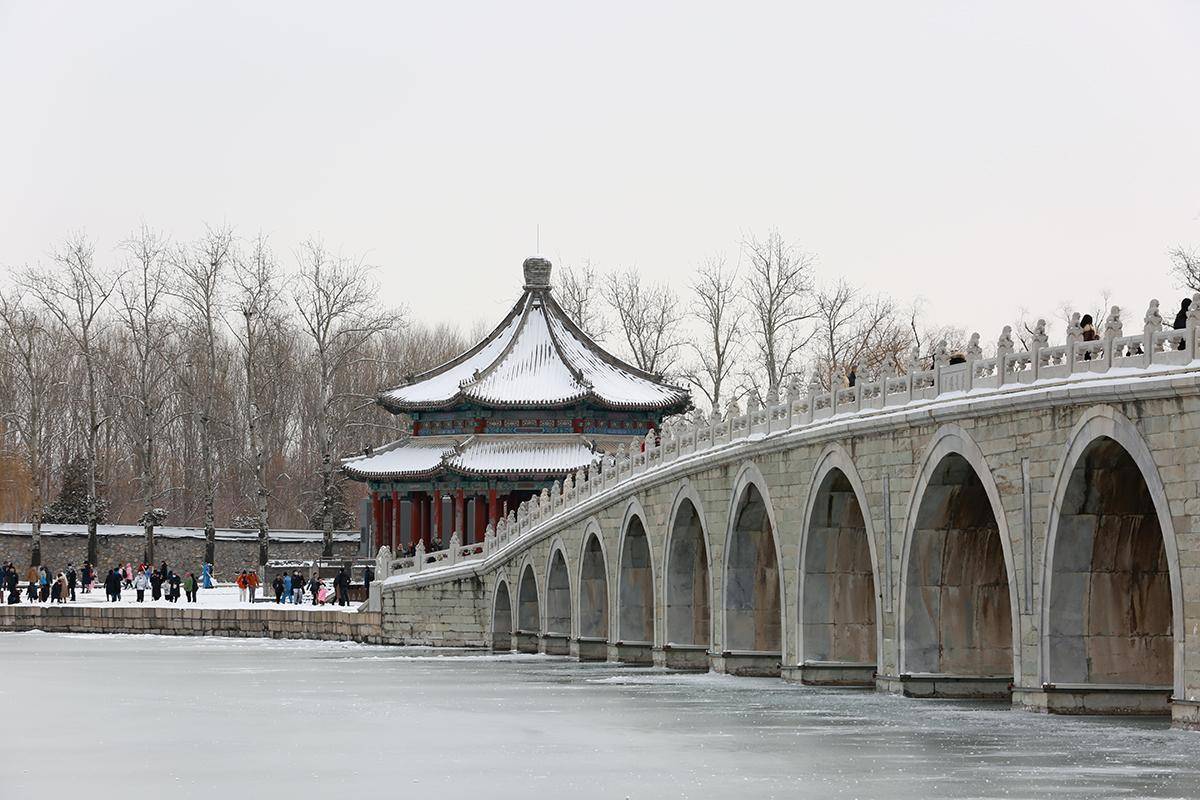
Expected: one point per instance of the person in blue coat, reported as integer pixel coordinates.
(287, 588)
(206, 576)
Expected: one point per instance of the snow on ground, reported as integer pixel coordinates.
(220, 596)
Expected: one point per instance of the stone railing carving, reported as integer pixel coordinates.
(795, 408)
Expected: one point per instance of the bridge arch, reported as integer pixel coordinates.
(502, 616)
(558, 592)
(958, 594)
(592, 611)
(687, 572)
(635, 581)
(753, 638)
(1112, 598)
(840, 592)
(529, 615)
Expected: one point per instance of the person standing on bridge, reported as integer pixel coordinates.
(1181, 319)
(141, 583)
(252, 584)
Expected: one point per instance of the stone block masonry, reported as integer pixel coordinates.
(336, 626)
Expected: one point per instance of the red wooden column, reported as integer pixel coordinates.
(414, 521)
(493, 507)
(437, 516)
(395, 519)
(460, 515)
(481, 516)
(377, 512)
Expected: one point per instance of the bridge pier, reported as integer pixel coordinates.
(589, 648)
(1085, 699)
(748, 663)
(832, 673)
(555, 644)
(682, 657)
(525, 641)
(635, 653)
(1185, 715)
(957, 687)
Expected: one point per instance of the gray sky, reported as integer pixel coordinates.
(984, 156)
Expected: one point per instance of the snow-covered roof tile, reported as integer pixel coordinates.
(543, 455)
(416, 456)
(536, 357)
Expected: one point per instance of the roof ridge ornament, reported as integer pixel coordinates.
(537, 272)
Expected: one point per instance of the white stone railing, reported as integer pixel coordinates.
(797, 409)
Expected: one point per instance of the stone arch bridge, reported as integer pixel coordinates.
(1026, 525)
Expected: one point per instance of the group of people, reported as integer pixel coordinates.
(289, 587)
(162, 582)
(44, 585)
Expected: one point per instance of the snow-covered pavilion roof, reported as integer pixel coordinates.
(537, 357)
(421, 457)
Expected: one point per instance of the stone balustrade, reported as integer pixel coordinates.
(1113, 355)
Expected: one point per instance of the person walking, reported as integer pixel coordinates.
(127, 576)
(141, 583)
(252, 584)
(341, 588)
(368, 577)
(189, 587)
(112, 586)
(12, 582)
(206, 580)
(89, 577)
(242, 586)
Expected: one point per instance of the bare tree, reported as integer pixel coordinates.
(578, 291)
(649, 317)
(716, 308)
(256, 302)
(855, 331)
(201, 269)
(35, 354)
(925, 336)
(779, 291)
(336, 299)
(75, 294)
(1185, 265)
(144, 314)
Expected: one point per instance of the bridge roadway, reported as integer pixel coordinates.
(1026, 525)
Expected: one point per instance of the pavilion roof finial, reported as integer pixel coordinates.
(537, 272)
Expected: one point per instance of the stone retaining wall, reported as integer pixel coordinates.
(253, 623)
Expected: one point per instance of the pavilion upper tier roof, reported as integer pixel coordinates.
(537, 357)
(480, 455)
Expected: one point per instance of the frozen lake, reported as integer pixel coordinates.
(267, 719)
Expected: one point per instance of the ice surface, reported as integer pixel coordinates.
(193, 718)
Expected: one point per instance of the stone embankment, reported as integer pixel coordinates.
(242, 623)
